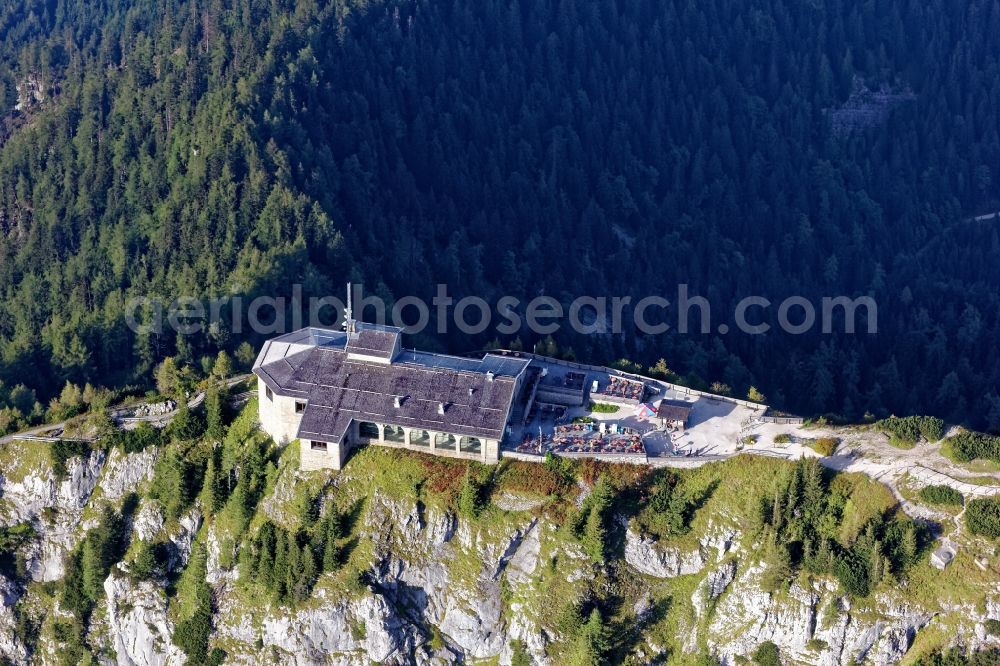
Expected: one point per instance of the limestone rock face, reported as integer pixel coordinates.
(36, 492)
(368, 629)
(148, 521)
(746, 616)
(125, 472)
(138, 626)
(713, 586)
(10, 646)
(435, 588)
(646, 556)
(190, 523)
(55, 509)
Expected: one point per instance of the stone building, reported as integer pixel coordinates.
(334, 390)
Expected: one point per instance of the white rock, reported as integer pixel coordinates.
(10, 646)
(525, 559)
(182, 540)
(646, 556)
(713, 586)
(148, 520)
(138, 625)
(126, 472)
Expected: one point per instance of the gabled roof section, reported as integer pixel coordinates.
(414, 389)
(373, 341)
(674, 410)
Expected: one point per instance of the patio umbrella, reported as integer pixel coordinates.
(645, 410)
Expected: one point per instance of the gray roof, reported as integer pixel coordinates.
(476, 393)
(370, 340)
(673, 410)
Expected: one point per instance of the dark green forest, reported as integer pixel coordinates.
(771, 147)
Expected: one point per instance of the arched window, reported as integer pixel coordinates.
(471, 445)
(367, 430)
(445, 441)
(395, 434)
(420, 438)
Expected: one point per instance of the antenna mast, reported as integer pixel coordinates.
(348, 312)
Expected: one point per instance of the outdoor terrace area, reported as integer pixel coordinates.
(620, 418)
(619, 388)
(591, 438)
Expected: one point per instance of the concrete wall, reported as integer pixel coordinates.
(277, 416)
(333, 458)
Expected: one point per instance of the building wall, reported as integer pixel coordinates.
(277, 416)
(278, 419)
(333, 458)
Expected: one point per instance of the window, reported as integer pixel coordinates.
(470, 445)
(268, 393)
(445, 441)
(317, 446)
(299, 406)
(368, 430)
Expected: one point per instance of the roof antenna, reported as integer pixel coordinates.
(348, 312)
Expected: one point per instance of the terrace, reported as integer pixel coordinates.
(595, 438)
(621, 389)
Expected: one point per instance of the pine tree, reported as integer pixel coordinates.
(213, 414)
(591, 643)
(223, 366)
(594, 535)
(470, 502)
(331, 552)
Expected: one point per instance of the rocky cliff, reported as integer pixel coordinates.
(420, 583)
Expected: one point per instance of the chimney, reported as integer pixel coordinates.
(489, 376)
(471, 390)
(441, 408)
(397, 401)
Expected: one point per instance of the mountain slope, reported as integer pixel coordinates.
(215, 550)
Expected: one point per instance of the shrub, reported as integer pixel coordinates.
(138, 439)
(992, 627)
(967, 446)
(519, 654)
(907, 431)
(193, 632)
(525, 477)
(941, 495)
(470, 498)
(12, 538)
(783, 438)
(603, 408)
(982, 516)
(767, 654)
(825, 446)
(62, 451)
(176, 481)
(853, 574)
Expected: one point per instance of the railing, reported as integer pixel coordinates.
(628, 375)
(782, 420)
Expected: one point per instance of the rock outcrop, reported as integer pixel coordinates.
(138, 626)
(812, 625)
(10, 647)
(646, 556)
